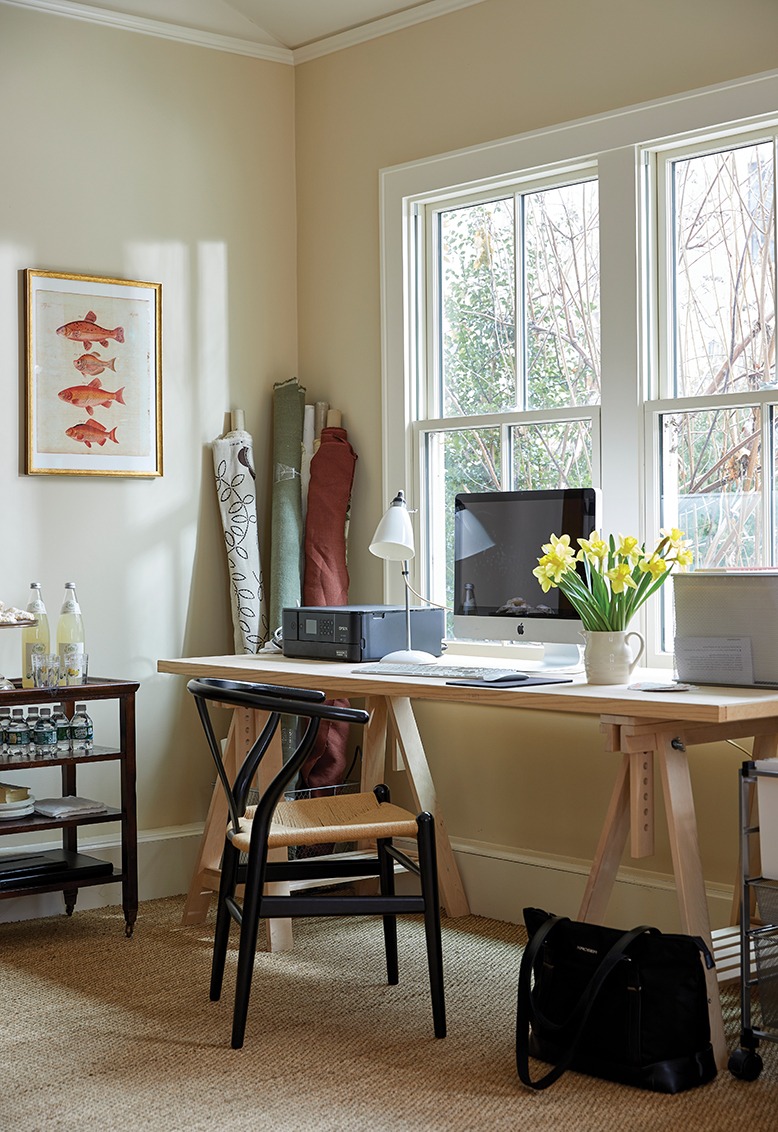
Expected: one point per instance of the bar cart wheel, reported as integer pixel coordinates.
(745, 1064)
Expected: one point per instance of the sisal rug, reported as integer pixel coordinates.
(100, 1032)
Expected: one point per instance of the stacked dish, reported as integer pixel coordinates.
(15, 801)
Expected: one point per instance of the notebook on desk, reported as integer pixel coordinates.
(726, 627)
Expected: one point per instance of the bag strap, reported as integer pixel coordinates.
(528, 1012)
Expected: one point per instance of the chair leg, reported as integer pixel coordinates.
(428, 870)
(249, 928)
(227, 883)
(386, 875)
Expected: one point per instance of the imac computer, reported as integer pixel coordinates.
(498, 539)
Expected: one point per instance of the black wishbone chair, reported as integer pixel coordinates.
(276, 821)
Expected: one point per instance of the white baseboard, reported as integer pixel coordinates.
(499, 881)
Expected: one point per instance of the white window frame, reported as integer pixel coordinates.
(616, 143)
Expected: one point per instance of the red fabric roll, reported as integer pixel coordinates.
(329, 493)
(326, 579)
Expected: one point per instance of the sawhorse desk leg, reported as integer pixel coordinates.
(631, 806)
(397, 711)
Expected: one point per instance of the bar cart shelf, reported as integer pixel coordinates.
(66, 869)
(758, 936)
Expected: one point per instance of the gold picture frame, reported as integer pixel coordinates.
(93, 355)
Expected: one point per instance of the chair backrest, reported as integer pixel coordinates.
(276, 700)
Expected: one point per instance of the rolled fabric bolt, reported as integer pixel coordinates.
(334, 418)
(319, 418)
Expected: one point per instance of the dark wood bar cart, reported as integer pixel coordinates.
(66, 870)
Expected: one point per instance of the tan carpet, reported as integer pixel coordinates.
(104, 1033)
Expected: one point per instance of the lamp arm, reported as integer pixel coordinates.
(407, 606)
(426, 600)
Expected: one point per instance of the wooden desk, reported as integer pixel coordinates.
(643, 727)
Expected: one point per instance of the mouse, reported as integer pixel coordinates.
(505, 678)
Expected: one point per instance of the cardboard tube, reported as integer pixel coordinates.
(334, 418)
(319, 418)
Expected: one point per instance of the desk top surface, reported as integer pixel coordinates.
(709, 704)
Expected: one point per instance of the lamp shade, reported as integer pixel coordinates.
(393, 538)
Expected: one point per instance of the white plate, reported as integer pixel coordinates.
(6, 815)
(19, 804)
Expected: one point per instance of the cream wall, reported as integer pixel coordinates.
(531, 785)
(134, 157)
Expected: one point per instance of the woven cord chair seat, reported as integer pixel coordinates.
(339, 818)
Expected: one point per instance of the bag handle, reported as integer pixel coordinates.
(527, 1010)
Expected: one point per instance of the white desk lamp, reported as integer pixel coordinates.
(393, 541)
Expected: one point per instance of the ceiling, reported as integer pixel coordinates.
(285, 30)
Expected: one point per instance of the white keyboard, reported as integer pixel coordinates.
(436, 671)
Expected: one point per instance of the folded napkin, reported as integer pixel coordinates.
(69, 806)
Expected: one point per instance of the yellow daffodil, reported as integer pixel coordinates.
(684, 556)
(594, 549)
(675, 538)
(559, 548)
(655, 566)
(621, 578)
(629, 548)
(546, 579)
(558, 559)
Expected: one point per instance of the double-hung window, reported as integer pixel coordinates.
(712, 425)
(510, 373)
(592, 305)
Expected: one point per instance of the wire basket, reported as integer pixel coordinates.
(765, 942)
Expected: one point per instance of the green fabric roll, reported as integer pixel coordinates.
(287, 512)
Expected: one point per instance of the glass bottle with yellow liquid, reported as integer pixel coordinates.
(70, 629)
(35, 638)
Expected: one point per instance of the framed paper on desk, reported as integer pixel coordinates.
(94, 375)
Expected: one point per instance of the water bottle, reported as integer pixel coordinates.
(18, 735)
(32, 719)
(5, 719)
(70, 627)
(81, 730)
(45, 734)
(35, 638)
(62, 724)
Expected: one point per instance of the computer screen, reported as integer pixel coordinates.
(498, 539)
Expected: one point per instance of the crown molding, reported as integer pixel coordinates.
(158, 28)
(180, 34)
(377, 28)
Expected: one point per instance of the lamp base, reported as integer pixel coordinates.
(409, 656)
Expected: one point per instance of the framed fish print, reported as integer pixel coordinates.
(94, 375)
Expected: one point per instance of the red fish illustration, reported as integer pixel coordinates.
(91, 364)
(87, 331)
(91, 432)
(90, 396)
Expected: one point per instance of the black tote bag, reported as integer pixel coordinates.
(625, 1006)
